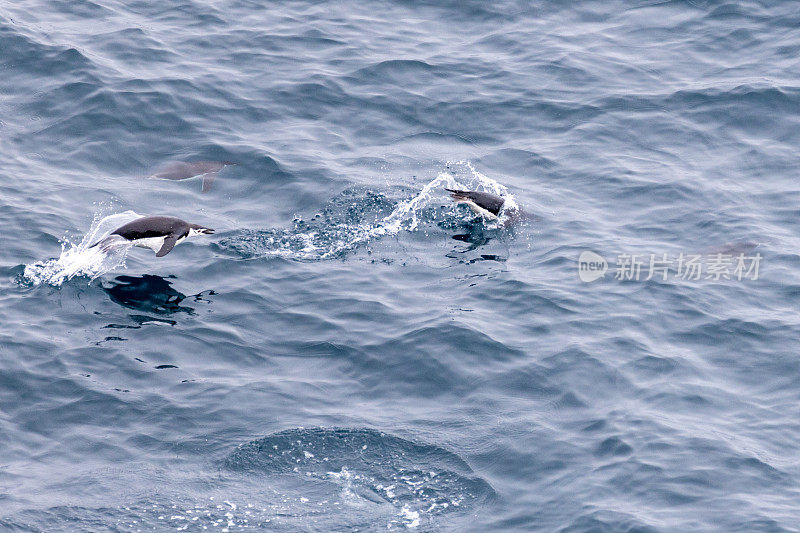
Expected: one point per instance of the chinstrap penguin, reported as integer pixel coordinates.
(483, 203)
(159, 233)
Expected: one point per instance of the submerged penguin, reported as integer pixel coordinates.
(485, 204)
(183, 170)
(159, 233)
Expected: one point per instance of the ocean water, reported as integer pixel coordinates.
(353, 351)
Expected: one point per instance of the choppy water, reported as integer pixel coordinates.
(351, 350)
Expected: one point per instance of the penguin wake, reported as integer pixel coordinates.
(356, 218)
(82, 259)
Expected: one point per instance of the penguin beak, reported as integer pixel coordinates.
(206, 231)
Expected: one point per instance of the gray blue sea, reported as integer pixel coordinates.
(353, 351)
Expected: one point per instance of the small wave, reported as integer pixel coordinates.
(345, 224)
(419, 481)
(81, 260)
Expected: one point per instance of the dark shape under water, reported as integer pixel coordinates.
(733, 248)
(147, 293)
(474, 239)
(182, 170)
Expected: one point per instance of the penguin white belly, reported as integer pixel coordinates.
(154, 243)
(481, 211)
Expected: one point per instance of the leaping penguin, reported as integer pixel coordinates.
(485, 204)
(159, 233)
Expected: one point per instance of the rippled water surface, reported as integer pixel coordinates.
(352, 350)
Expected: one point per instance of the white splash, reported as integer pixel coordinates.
(410, 517)
(81, 260)
(329, 241)
(406, 215)
(345, 479)
(406, 212)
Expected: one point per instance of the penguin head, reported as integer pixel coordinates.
(197, 229)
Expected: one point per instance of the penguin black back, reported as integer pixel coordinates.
(485, 200)
(157, 226)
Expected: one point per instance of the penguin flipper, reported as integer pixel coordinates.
(208, 179)
(169, 244)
